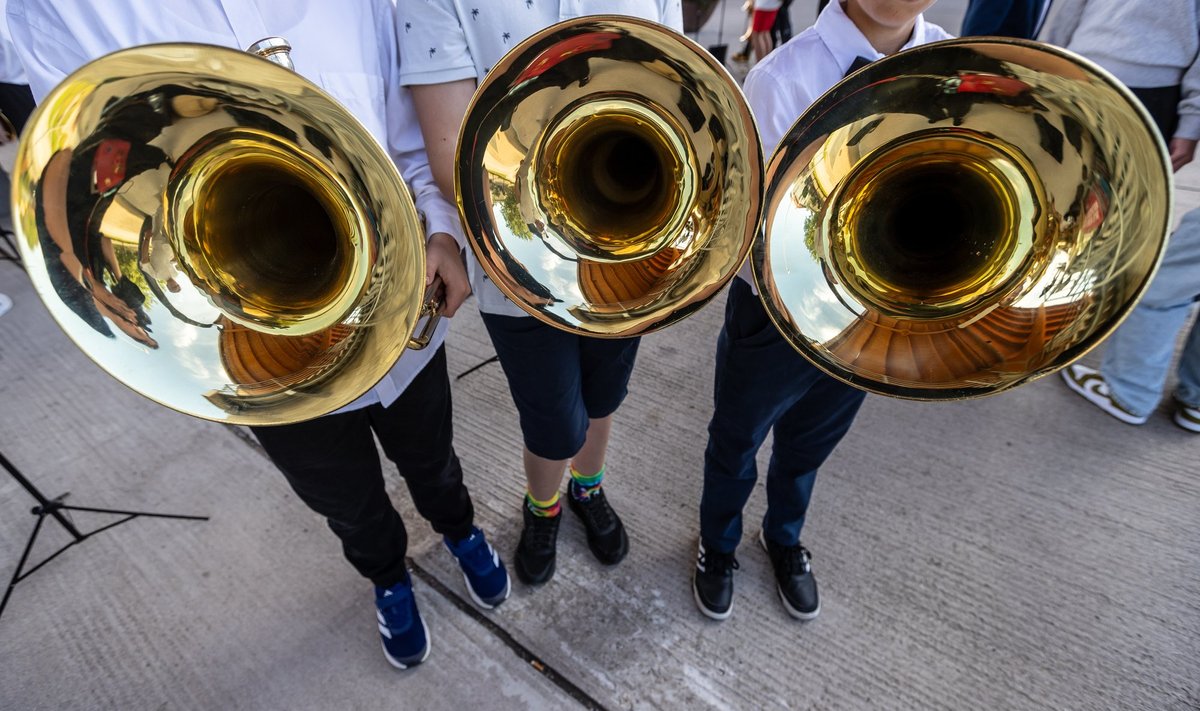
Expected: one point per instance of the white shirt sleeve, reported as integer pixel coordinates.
(775, 106)
(433, 43)
(46, 59)
(407, 146)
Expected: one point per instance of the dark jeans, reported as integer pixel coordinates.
(1163, 104)
(762, 382)
(16, 102)
(332, 463)
(560, 380)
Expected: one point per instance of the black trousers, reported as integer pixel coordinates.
(332, 464)
(1163, 104)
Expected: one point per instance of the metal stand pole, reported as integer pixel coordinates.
(54, 508)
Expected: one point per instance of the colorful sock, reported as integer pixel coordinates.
(582, 486)
(547, 509)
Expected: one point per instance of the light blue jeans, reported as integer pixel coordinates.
(1138, 357)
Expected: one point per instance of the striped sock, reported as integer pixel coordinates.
(583, 486)
(546, 509)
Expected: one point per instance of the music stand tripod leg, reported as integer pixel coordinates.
(54, 508)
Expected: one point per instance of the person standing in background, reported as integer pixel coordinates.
(1154, 52)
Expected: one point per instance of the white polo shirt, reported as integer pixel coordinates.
(788, 80)
(348, 48)
(451, 40)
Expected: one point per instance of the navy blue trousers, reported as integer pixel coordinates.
(762, 382)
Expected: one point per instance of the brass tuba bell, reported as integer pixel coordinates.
(218, 233)
(961, 218)
(609, 176)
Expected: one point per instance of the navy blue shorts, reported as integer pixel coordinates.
(560, 380)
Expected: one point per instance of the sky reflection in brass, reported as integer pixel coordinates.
(218, 233)
(961, 218)
(609, 176)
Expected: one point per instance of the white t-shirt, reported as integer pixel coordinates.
(348, 48)
(451, 40)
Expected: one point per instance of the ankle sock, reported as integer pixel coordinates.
(583, 486)
(546, 509)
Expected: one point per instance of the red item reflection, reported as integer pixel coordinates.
(990, 84)
(108, 167)
(579, 44)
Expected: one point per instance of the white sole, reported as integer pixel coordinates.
(704, 610)
(1110, 409)
(479, 602)
(401, 665)
(762, 539)
(1185, 423)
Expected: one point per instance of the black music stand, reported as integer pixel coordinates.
(55, 508)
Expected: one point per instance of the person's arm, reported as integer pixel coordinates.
(1183, 144)
(443, 258)
(440, 111)
(774, 106)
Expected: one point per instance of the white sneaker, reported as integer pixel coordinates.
(1187, 417)
(1089, 383)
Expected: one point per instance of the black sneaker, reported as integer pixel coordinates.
(605, 532)
(712, 583)
(534, 559)
(793, 574)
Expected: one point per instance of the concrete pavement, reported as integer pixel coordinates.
(1024, 551)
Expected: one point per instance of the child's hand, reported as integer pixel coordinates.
(442, 259)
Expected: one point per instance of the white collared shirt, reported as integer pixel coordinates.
(788, 80)
(451, 40)
(11, 71)
(347, 47)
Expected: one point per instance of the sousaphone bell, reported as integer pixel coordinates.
(609, 176)
(962, 217)
(218, 233)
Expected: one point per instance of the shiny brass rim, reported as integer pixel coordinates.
(609, 176)
(961, 218)
(218, 233)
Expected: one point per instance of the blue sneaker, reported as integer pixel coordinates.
(404, 634)
(486, 578)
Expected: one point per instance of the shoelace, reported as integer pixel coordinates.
(794, 560)
(597, 511)
(541, 531)
(723, 563)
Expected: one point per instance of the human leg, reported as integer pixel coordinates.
(541, 364)
(752, 388)
(1138, 355)
(1187, 392)
(332, 465)
(805, 436)
(416, 432)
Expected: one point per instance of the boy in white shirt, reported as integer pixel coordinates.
(761, 382)
(331, 462)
